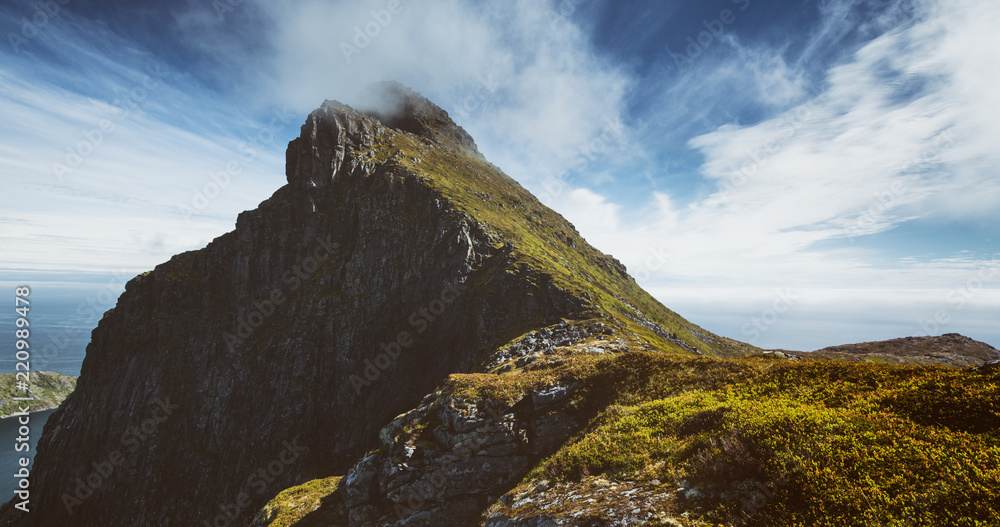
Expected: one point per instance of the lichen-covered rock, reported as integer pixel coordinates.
(448, 459)
(593, 502)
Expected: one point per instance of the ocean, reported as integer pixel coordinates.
(9, 456)
(61, 317)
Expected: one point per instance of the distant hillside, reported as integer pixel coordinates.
(951, 349)
(47, 389)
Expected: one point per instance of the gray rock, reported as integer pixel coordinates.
(550, 396)
(361, 484)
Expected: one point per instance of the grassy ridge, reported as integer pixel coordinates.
(543, 240)
(47, 389)
(746, 441)
(731, 441)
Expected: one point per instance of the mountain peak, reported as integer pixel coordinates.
(337, 136)
(397, 106)
(396, 256)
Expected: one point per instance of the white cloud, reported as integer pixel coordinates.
(98, 182)
(521, 78)
(907, 128)
(518, 76)
(908, 125)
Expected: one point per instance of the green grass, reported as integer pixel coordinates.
(541, 239)
(315, 503)
(749, 441)
(795, 443)
(759, 441)
(48, 390)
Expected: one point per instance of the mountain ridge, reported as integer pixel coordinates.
(402, 335)
(258, 341)
(950, 349)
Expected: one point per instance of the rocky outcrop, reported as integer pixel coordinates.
(546, 341)
(394, 256)
(444, 462)
(593, 502)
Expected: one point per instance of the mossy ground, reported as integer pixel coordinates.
(772, 442)
(749, 441)
(48, 390)
(724, 441)
(316, 503)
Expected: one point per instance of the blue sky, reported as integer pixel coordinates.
(833, 159)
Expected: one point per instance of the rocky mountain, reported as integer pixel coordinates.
(403, 336)
(48, 390)
(394, 256)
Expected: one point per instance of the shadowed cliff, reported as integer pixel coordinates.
(395, 256)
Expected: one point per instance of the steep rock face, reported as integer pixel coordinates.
(447, 473)
(274, 355)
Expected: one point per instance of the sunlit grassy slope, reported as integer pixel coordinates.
(775, 442)
(755, 441)
(543, 240)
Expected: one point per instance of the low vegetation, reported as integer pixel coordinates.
(316, 503)
(48, 390)
(773, 442)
